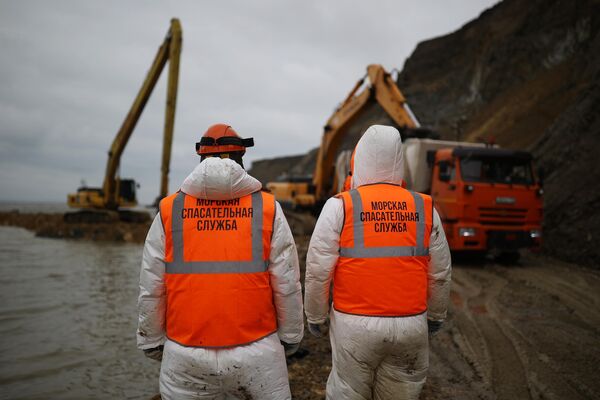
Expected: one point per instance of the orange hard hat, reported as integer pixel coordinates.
(221, 138)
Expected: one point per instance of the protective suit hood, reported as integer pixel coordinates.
(378, 157)
(219, 179)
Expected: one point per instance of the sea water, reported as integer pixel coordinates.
(68, 320)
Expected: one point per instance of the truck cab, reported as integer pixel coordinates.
(488, 198)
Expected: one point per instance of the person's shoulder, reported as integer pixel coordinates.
(172, 195)
(423, 195)
(336, 202)
(341, 195)
(168, 200)
(267, 195)
(265, 189)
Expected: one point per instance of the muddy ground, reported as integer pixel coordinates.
(524, 331)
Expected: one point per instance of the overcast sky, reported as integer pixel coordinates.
(274, 70)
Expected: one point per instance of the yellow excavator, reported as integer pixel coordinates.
(108, 203)
(377, 86)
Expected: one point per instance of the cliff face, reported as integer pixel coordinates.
(527, 74)
(568, 152)
(508, 74)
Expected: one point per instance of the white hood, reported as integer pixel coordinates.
(378, 157)
(219, 179)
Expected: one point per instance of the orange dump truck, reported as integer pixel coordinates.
(488, 198)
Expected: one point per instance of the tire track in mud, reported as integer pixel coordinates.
(577, 292)
(580, 294)
(498, 357)
(515, 364)
(466, 334)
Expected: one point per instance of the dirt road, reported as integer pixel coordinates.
(526, 331)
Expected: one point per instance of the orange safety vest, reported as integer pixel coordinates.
(216, 255)
(384, 252)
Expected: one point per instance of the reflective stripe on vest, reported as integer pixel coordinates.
(360, 251)
(179, 266)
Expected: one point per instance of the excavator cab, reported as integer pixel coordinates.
(127, 191)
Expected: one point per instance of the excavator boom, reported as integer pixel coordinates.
(172, 84)
(377, 86)
(171, 47)
(380, 88)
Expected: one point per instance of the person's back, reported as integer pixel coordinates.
(384, 248)
(220, 287)
(382, 268)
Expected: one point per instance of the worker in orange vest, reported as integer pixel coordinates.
(385, 250)
(220, 300)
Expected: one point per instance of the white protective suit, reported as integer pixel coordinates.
(257, 370)
(374, 357)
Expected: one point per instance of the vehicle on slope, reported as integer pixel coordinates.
(109, 203)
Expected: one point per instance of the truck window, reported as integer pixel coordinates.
(496, 170)
(446, 171)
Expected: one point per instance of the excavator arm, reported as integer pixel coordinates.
(169, 51)
(174, 53)
(380, 88)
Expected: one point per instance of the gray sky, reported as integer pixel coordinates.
(274, 70)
